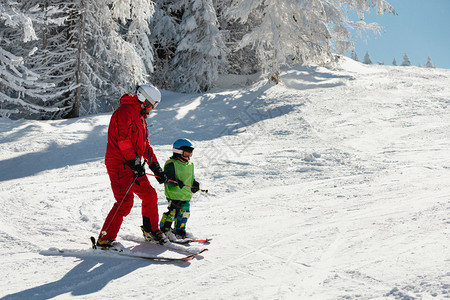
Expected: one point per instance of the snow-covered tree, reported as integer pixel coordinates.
(80, 55)
(134, 17)
(114, 53)
(163, 38)
(85, 54)
(367, 59)
(299, 31)
(429, 63)
(394, 62)
(21, 89)
(354, 56)
(240, 60)
(406, 62)
(200, 51)
(285, 30)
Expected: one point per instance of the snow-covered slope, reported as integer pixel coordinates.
(334, 184)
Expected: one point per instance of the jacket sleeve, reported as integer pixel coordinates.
(149, 154)
(125, 126)
(169, 169)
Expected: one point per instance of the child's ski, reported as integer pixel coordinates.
(181, 247)
(189, 240)
(185, 248)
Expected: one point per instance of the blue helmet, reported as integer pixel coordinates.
(181, 145)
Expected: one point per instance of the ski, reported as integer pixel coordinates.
(142, 256)
(158, 258)
(189, 240)
(185, 248)
(186, 240)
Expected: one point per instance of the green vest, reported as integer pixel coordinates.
(183, 172)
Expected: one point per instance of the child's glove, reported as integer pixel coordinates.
(195, 187)
(180, 183)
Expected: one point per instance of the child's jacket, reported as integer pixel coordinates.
(183, 171)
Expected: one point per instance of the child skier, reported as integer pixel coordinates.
(180, 172)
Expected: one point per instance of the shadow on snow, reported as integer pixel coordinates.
(201, 117)
(88, 277)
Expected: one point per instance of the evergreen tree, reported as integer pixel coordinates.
(298, 32)
(200, 51)
(354, 56)
(283, 29)
(429, 63)
(367, 59)
(241, 60)
(163, 38)
(79, 55)
(406, 62)
(135, 16)
(394, 62)
(20, 87)
(83, 52)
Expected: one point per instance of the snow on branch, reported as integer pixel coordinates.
(15, 19)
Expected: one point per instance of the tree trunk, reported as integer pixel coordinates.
(79, 73)
(75, 111)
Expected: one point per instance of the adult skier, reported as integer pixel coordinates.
(127, 144)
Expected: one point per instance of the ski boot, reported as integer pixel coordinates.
(180, 233)
(170, 235)
(105, 244)
(154, 236)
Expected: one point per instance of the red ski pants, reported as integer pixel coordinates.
(121, 178)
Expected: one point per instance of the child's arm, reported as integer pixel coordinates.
(169, 169)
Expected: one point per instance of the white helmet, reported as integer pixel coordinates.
(149, 95)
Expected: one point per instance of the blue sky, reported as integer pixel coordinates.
(420, 28)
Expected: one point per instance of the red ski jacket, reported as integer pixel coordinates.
(128, 134)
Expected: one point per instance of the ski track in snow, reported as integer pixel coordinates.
(334, 184)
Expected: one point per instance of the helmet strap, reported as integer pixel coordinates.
(183, 158)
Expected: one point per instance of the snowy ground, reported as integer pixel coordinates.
(334, 184)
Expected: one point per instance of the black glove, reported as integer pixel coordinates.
(180, 183)
(156, 169)
(136, 167)
(195, 187)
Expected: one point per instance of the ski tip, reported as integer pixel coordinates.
(203, 250)
(188, 258)
(94, 244)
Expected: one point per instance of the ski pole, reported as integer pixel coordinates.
(170, 180)
(189, 186)
(104, 232)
